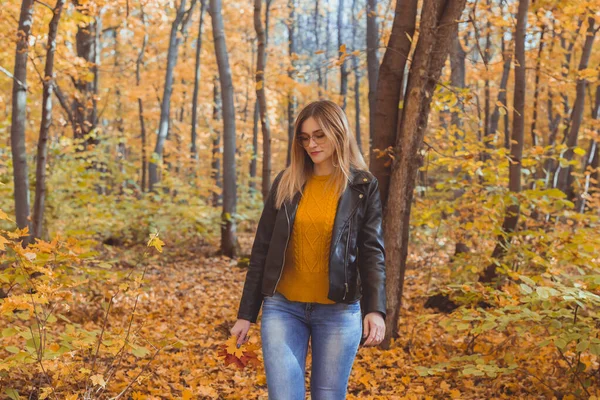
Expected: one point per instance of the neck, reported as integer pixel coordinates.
(324, 168)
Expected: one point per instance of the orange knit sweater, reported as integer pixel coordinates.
(305, 275)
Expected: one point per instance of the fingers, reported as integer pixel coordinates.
(241, 334)
(374, 333)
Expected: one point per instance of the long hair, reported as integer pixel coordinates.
(334, 123)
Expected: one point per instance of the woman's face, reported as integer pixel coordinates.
(314, 142)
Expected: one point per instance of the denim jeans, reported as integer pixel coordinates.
(335, 331)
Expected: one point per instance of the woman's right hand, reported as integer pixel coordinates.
(240, 330)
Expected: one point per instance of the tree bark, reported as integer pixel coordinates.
(194, 148)
(19, 119)
(342, 54)
(165, 107)
(85, 118)
(318, 44)
(356, 71)
(389, 92)
(438, 18)
(372, 63)
(564, 177)
(291, 109)
(138, 79)
(261, 61)
(229, 243)
(42, 149)
(216, 144)
(511, 217)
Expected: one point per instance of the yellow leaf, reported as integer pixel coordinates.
(455, 393)
(156, 242)
(3, 241)
(343, 48)
(259, 85)
(98, 380)
(3, 215)
(232, 347)
(73, 396)
(187, 394)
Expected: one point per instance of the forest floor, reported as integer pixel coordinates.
(195, 296)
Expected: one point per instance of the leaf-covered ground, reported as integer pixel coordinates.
(195, 298)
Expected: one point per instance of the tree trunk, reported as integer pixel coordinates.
(389, 93)
(291, 110)
(261, 61)
(536, 90)
(253, 162)
(372, 63)
(457, 77)
(138, 79)
(502, 99)
(216, 144)
(342, 54)
(165, 107)
(516, 147)
(229, 243)
(327, 41)
(437, 23)
(85, 118)
(564, 179)
(19, 119)
(194, 148)
(317, 57)
(42, 150)
(356, 71)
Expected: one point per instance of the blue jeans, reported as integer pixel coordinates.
(335, 331)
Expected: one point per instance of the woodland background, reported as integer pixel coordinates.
(138, 138)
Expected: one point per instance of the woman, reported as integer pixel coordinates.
(318, 252)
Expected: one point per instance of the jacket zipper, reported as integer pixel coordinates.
(284, 250)
(346, 258)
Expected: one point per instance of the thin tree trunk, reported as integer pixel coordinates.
(488, 138)
(194, 148)
(42, 150)
(291, 109)
(19, 119)
(216, 144)
(536, 90)
(457, 78)
(564, 179)
(437, 24)
(261, 61)
(502, 99)
(229, 243)
(372, 63)
(511, 217)
(318, 44)
(327, 41)
(591, 160)
(138, 80)
(165, 107)
(389, 92)
(253, 162)
(342, 54)
(356, 71)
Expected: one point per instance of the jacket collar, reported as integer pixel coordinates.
(359, 177)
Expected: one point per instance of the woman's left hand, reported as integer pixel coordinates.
(373, 329)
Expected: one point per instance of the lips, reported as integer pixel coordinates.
(314, 153)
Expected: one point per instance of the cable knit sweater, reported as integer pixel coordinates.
(305, 275)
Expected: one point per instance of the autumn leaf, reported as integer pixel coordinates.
(98, 380)
(155, 242)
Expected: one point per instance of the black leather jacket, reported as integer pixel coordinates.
(356, 257)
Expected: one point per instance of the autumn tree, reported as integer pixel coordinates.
(229, 244)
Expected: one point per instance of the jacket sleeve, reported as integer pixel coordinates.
(371, 254)
(252, 296)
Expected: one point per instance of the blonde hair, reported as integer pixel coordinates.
(334, 123)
